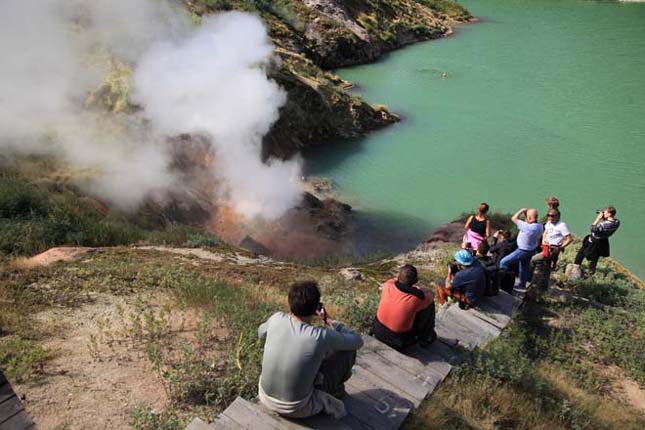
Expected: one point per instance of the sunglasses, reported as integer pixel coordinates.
(552, 215)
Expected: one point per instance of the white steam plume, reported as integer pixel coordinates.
(210, 80)
(214, 83)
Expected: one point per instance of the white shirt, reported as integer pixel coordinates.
(555, 233)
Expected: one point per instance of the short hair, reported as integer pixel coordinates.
(304, 297)
(483, 208)
(507, 234)
(611, 210)
(408, 274)
(552, 202)
(483, 247)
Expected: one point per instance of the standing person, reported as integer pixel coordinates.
(528, 240)
(596, 244)
(405, 314)
(552, 203)
(465, 281)
(305, 366)
(477, 228)
(555, 239)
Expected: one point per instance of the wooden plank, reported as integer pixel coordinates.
(321, 421)
(249, 416)
(5, 392)
(385, 369)
(326, 422)
(359, 372)
(20, 421)
(9, 408)
(432, 360)
(222, 422)
(468, 330)
(376, 406)
(499, 309)
(425, 375)
(198, 424)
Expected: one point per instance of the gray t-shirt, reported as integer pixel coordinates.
(530, 235)
(294, 351)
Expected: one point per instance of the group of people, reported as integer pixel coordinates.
(305, 365)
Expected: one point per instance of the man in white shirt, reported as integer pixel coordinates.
(555, 239)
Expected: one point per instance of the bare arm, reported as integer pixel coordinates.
(567, 241)
(487, 228)
(598, 218)
(516, 217)
(468, 221)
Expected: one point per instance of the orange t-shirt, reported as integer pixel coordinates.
(397, 309)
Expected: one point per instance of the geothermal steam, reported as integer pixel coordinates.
(209, 80)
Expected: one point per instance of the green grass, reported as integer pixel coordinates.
(548, 369)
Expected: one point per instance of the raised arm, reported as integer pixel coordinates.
(516, 218)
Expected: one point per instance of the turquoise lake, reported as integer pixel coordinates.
(542, 97)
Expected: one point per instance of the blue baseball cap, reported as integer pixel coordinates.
(464, 257)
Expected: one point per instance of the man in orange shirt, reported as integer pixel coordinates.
(405, 313)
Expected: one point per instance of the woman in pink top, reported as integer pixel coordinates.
(477, 228)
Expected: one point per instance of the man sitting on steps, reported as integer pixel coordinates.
(405, 313)
(305, 366)
(465, 281)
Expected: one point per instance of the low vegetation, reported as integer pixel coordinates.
(557, 366)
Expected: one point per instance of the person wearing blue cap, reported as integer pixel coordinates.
(465, 281)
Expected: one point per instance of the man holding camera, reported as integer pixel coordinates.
(465, 281)
(305, 366)
(405, 314)
(596, 244)
(528, 239)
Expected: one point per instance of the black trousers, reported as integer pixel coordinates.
(336, 369)
(592, 249)
(422, 330)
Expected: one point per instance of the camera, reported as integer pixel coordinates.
(599, 211)
(454, 267)
(320, 307)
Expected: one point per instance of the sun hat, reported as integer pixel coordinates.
(464, 257)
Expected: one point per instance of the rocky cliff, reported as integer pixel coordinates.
(314, 36)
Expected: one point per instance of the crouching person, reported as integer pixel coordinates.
(465, 281)
(405, 314)
(305, 366)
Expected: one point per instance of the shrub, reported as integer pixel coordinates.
(21, 201)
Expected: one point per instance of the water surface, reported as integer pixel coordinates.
(542, 97)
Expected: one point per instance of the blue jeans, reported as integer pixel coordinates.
(524, 258)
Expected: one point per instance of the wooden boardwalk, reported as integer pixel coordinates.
(387, 385)
(12, 413)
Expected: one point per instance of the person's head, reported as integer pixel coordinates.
(304, 297)
(553, 215)
(610, 212)
(483, 248)
(408, 275)
(552, 202)
(506, 234)
(531, 215)
(464, 257)
(483, 209)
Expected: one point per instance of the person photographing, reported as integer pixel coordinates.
(305, 365)
(596, 244)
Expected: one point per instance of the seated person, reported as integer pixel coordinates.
(305, 366)
(465, 281)
(405, 314)
(490, 268)
(504, 244)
